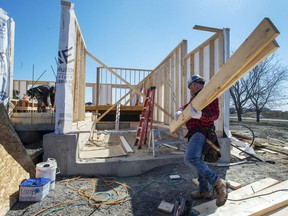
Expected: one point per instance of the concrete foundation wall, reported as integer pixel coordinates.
(64, 149)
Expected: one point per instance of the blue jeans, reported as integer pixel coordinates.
(193, 158)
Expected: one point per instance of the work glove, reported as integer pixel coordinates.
(195, 114)
(177, 114)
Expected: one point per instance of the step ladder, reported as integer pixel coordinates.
(155, 141)
(145, 118)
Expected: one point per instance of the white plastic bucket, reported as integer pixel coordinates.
(47, 170)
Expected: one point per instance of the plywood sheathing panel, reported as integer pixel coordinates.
(12, 174)
(255, 48)
(12, 143)
(15, 163)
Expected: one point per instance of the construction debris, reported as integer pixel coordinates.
(257, 198)
(232, 184)
(166, 206)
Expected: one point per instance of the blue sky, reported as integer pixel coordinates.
(134, 33)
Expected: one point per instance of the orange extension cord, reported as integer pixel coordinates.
(89, 196)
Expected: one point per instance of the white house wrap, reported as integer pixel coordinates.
(65, 69)
(6, 56)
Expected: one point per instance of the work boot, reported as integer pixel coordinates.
(201, 195)
(221, 192)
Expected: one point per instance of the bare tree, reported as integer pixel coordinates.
(241, 91)
(260, 87)
(267, 91)
(240, 95)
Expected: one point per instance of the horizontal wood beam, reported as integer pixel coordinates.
(108, 110)
(209, 29)
(112, 107)
(106, 107)
(136, 70)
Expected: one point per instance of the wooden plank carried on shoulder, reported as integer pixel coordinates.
(255, 48)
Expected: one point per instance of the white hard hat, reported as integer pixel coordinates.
(196, 78)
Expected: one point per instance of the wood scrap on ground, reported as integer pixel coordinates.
(101, 137)
(126, 145)
(270, 151)
(268, 147)
(231, 164)
(265, 196)
(237, 153)
(195, 181)
(275, 148)
(260, 151)
(246, 139)
(166, 206)
(232, 184)
(263, 202)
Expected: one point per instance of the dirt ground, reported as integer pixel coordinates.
(141, 195)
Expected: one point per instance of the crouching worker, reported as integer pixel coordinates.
(45, 96)
(200, 128)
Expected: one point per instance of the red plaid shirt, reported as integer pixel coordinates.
(209, 114)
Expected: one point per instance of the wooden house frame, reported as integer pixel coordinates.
(170, 76)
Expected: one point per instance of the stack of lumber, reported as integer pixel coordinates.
(268, 147)
(254, 49)
(24, 105)
(265, 197)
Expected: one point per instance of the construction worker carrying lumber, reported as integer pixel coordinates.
(200, 129)
(45, 96)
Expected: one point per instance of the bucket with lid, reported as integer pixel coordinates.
(47, 170)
